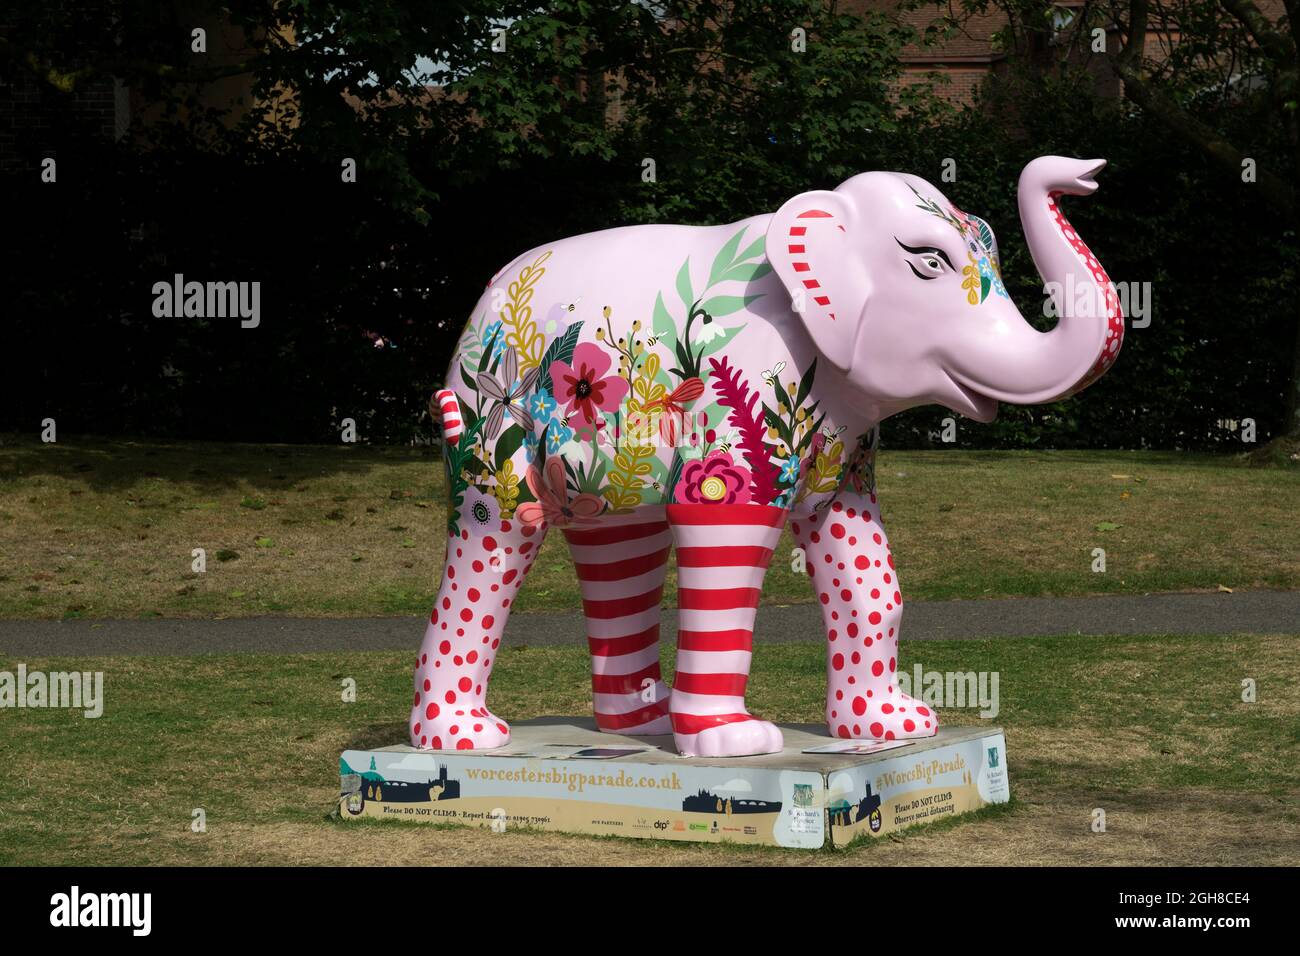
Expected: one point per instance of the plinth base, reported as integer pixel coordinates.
(562, 774)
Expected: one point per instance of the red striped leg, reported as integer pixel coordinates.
(621, 565)
(722, 554)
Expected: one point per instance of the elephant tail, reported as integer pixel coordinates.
(449, 410)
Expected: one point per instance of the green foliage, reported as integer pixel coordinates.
(548, 137)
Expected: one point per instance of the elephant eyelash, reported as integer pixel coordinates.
(918, 275)
(925, 251)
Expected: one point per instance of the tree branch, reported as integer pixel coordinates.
(1275, 44)
(1275, 188)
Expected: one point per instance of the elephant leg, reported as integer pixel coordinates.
(621, 566)
(485, 566)
(722, 555)
(852, 572)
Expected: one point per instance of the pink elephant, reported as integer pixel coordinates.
(657, 387)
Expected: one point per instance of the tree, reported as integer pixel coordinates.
(1221, 75)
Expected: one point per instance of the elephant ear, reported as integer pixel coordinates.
(814, 246)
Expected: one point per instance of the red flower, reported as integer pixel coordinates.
(553, 505)
(714, 479)
(584, 387)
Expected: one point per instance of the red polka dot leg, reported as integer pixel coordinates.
(484, 570)
(853, 576)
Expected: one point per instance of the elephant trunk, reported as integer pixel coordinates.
(1047, 366)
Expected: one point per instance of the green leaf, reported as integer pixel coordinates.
(725, 257)
(755, 248)
(487, 350)
(674, 475)
(508, 443)
(684, 285)
(747, 272)
(664, 326)
(469, 382)
(560, 350)
(805, 384)
(1108, 526)
(721, 305)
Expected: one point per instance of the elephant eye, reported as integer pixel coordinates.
(926, 262)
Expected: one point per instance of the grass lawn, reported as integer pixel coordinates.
(1152, 730)
(106, 529)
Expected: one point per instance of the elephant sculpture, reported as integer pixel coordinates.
(655, 387)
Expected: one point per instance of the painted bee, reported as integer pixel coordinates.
(770, 375)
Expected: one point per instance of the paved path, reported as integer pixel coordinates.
(1248, 612)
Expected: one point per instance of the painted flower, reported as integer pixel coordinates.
(507, 390)
(557, 435)
(584, 387)
(709, 330)
(542, 405)
(790, 470)
(479, 512)
(494, 335)
(574, 451)
(714, 479)
(553, 504)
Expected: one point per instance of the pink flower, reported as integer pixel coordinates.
(714, 479)
(584, 385)
(553, 504)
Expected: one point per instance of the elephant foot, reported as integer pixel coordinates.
(726, 735)
(462, 727)
(651, 721)
(870, 716)
(663, 724)
(634, 713)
